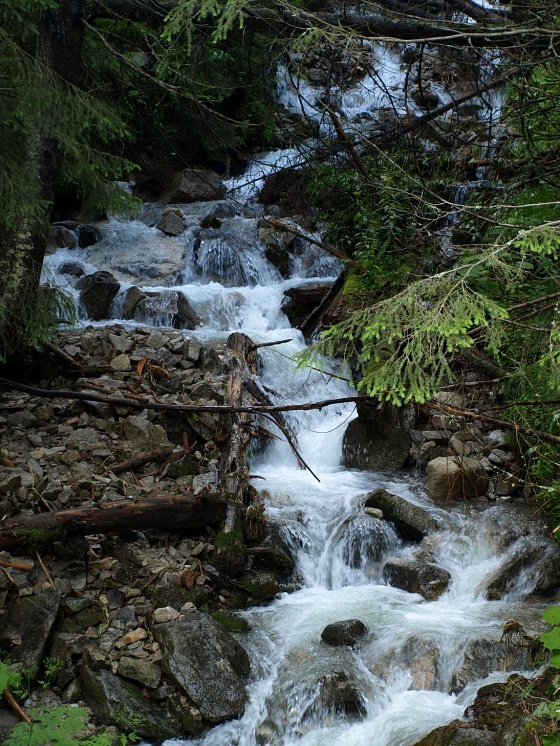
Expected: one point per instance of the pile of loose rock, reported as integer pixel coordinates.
(124, 622)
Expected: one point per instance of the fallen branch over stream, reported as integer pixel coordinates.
(138, 403)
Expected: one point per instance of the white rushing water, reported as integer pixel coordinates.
(340, 551)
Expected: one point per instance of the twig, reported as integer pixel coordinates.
(140, 460)
(16, 565)
(494, 421)
(270, 344)
(64, 355)
(215, 409)
(45, 570)
(8, 696)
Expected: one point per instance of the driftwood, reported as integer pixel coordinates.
(168, 513)
(141, 459)
(233, 467)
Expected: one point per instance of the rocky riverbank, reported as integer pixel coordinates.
(127, 621)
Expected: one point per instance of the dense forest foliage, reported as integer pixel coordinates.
(93, 92)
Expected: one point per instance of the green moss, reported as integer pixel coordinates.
(38, 537)
(231, 622)
(260, 588)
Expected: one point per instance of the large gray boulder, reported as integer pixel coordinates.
(195, 185)
(424, 578)
(207, 663)
(25, 629)
(97, 292)
(379, 438)
(514, 651)
(411, 521)
(454, 478)
(537, 557)
(114, 701)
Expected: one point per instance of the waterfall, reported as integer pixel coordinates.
(401, 673)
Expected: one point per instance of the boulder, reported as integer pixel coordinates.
(171, 223)
(539, 557)
(140, 430)
(348, 632)
(424, 578)
(170, 308)
(453, 478)
(411, 521)
(87, 235)
(207, 663)
(379, 438)
(97, 292)
(25, 629)
(301, 301)
(365, 539)
(114, 701)
(514, 651)
(421, 656)
(146, 673)
(132, 297)
(62, 237)
(342, 693)
(195, 185)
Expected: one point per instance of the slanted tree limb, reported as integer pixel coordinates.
(512, 427)
(169, 512)
(147, 404)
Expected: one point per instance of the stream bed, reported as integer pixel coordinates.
(403, 672)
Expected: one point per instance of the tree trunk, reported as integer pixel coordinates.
(167, 513)
(59, 47)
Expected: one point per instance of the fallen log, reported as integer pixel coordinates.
(172, 512)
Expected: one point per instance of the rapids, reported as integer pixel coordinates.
(339, 550)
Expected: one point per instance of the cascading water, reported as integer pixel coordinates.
(402, 671)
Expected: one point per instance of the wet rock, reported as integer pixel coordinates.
(260, 586)
(25, 629)
(421, 656)
(114, 701)
(132, 297)
(411, 521)
(185, 317)
(209, 361)
(538, 558)
(348, 632)
(97, 292)
(207, 663)
(88, 235)
(452, 478)
(514, 651)
(301, 301)
(195, 185)
(341, 693)
(272, 558)
(379, 438)
(426, 579)
(74, 269)
(458, 734)
(171, 223)
(62, 237)
(365, 539)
